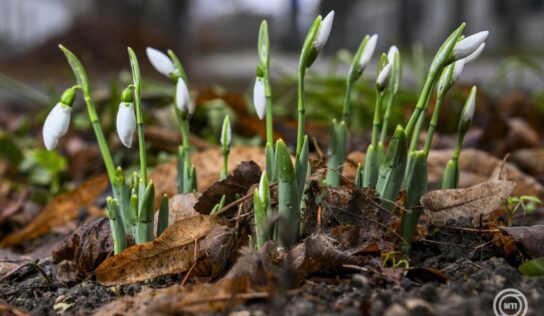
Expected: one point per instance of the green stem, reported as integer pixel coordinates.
(301, 110)
(102, 144)
(389, 105)
(421, 102)
(269, 118)
(139, 117)
(376, 123)
(224, 169)
(346, 106)
(434, 123)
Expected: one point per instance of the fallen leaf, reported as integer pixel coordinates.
(6, 266)
(8, 310)
(477, 166)
(481, 199)
(530, 160)
(180, 206)
(235, 185)
(59, 211)
(531, 238)
(79, 254)
(172, 252)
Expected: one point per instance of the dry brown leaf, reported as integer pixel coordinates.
(9, 310)
(531, 238)
(481, 199)
(476, 166)
(78, 255)
(59, 211)
(172, 252)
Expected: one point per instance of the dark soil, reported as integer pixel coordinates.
(474, 268)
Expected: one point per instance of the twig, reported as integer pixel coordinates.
(240, 200)
(354, 267)
(243, 296)
(186, 277)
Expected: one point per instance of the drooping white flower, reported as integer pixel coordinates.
(368, 51)
(226, 132)
(457, 69)
(393, 50)
(324, 31)
(182, 96)
(469, 45)
(259, 97)
(470, 58)
(160, 61)
(126, 123)
(470, 104)
(56, 125)
(384, 75)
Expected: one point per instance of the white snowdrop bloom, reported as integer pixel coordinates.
(324, 31)
(226, 132)
(368, 51)
(457, 69)
(182, 96)
(384, 75)
(126, 123)
(470, 104)
(393, 50)
(259, 97)
(469, 45)
(470, 58)
(160, 61)
(56, 125)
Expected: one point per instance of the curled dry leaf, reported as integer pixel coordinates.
(172, 252)
(476, 166)
(236, 184)
(481, 199)
(59, 211)
(531, 238)
(78, 255)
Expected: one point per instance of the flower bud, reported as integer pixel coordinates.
(226, 132)
(469, 45)
(56, 125)
(457, 70)
(160, 61)
(182, 96)
(126, 123)
(393, 50)
(368, 51)
(383, 76)
(324, 31)
(470, 104)
(470, 58)
(259, 97)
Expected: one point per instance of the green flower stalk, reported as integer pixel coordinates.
(121, 190)
(450, 178)
(116, 224)
(416, 187)
(261, 205)
(146, 213)
(393, 55)
(337, 149)
(370, 172)
(225, 145)
(315, 41)
(171, 67)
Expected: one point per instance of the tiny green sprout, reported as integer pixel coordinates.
(288, 202)
(390, 258)
(217, 207)
(162, 222)
(225, 145)
(261, 206)
(527, 202)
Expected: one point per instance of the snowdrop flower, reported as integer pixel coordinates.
(468, 45)
(324, 31)
(470, 58)
(457, 69)
(160, 61)
(468, 112)
(383, 77)
(182, 97)
(226, 132)
(368, 52)
(56, 125)
(259, 97)
(393, 50)
(126, 123)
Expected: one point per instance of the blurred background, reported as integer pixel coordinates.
(216, 41)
